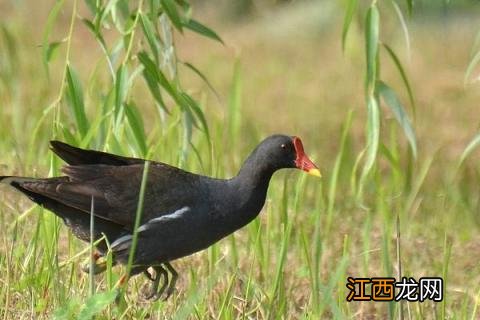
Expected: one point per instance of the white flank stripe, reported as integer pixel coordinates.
(175, 215)
(121, 240)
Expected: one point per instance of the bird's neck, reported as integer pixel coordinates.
(250, 187)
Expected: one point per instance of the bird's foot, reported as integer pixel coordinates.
(154, 293)
(173, 280)
(168, 285)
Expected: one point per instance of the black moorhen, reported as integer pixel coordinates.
(183, 212)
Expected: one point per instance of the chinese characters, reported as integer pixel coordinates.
(387, 289)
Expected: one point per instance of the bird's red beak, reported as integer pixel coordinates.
(302, 161)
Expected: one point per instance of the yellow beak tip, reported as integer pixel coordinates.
(315, 172)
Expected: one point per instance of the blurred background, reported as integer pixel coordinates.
(282, 69)
(291, 63)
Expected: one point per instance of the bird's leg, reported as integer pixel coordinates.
(164, 285)
(159, 273)
(173, 280)
(149, 275)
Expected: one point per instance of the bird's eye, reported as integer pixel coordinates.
(283, 146)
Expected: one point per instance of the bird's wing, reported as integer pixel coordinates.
(115, 190)
(77, 195)
(77, 156)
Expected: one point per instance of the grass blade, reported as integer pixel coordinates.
(52, 17)
(403, 24)
(373, 132)
(75, 93)
(138, 219)
(235, 104)
(447, 252)
(136, 124)
(91, 274)
(398, 110)
(121, 88)
(470, 148)
(471, 66)
(332, 186)
(350, 10)
(371, 41)
(373, 137)
(409, 6)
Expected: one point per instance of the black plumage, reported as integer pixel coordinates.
(183, 212)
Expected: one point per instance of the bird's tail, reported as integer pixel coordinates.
(4, 179)
(12, 180)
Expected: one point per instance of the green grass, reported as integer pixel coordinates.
(293, 261)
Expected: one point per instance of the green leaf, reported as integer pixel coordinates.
(121, 88)
(198, 113)
(202, 76)
(94, 30)
(52, 48)
(96, 304)
(155, 90)
(403, 24)
(350, 10)
(409, 6)
(155, 72)
(136, 124)
(89, 24)
(52, 17)
(75, 93)
(398, 110)
(394, 162)
(475, 143)
(163, 81)
(398, 64)
(371, 41)
(199, 28)
(150, 76)
(171, 10)
(149, 32)
(184, 4)
(373, 134)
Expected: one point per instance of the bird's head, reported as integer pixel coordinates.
(282, 151)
